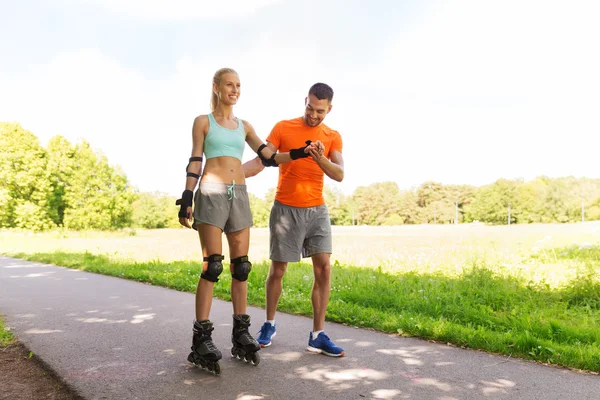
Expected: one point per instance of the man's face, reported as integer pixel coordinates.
(315, 110)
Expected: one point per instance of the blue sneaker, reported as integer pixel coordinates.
(322, 344)
(266, 333)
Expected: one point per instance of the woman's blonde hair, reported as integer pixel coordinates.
(214, 98)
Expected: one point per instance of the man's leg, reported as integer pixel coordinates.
(318, 245)
(274, 287)
(285, 243)
(318, 341)
(321, 289)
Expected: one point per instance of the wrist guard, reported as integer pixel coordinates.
(299, 152)
(185, 201)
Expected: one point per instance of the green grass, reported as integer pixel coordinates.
(546, 307)
(6, 337)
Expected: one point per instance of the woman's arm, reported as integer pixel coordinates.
(193, 170)
(267, 152)
(194, 167)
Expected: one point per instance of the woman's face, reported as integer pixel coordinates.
(229, 88)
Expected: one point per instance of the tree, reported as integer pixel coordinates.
(24, 179)
(593, 211)
(339, 208)
(393, 220)
(270, 196)
(435, 203)
(408, 207)
(374, 203)
(154, 211)
(438, 203)
(261, 210)
(490, 203)
(6, 210)
(98, 196)
(61, 155)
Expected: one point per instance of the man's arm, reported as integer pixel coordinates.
(255, 143)
(268, 155)
(333, 168)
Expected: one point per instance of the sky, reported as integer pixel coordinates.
(458, 92)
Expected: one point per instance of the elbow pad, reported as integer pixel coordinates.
(193, 175)
(269, 162)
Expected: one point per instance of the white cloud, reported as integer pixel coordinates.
(179, 10)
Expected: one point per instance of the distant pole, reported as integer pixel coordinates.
(456, 216)
(582, 211)
(509, 213)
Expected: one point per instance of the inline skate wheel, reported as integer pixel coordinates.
(216, 369)
(253, 358)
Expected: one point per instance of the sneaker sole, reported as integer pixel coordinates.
(270, 343)
(314, 350)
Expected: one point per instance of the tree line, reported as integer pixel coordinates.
(542, 200)
(72, 186)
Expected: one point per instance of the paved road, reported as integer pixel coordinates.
(111, 338)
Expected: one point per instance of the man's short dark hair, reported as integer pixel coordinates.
(321, 91)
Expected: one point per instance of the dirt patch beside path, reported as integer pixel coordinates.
(24, 377)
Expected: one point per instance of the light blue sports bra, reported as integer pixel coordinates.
(221, 141)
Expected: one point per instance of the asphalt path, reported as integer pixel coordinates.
(111, 338)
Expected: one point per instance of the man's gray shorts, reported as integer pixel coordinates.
(222, 205)
(298, 232)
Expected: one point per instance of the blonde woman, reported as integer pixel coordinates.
(221, 205)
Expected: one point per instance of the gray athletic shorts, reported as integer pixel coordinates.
(298, 232)
(222, 205)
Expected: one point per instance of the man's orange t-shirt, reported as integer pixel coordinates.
(301, 181)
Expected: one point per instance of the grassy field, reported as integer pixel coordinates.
(530, 291)
(6, 337)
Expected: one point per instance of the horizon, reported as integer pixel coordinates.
(328, 182)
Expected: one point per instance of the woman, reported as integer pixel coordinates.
(222, 205)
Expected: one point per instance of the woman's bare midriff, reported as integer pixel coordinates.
(223, 170)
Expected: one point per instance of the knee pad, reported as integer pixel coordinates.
(241, 268)
(215, 267)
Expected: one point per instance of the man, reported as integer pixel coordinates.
(299, 223)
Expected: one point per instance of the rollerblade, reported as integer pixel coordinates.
(204, 352)
(244, 345)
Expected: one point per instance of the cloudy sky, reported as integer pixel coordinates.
(452, 91)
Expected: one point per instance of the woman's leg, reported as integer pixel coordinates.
(239, 244)
(244, 345)
(211, 242)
